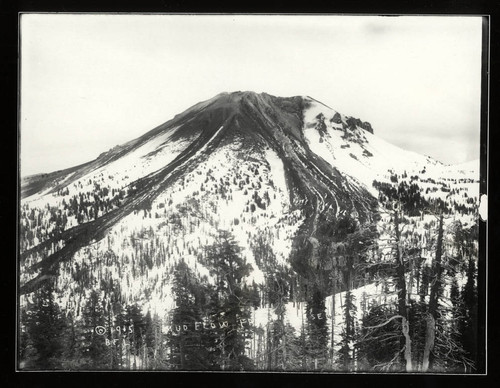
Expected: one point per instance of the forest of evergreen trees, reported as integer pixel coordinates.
(424, 319)
(431, 325)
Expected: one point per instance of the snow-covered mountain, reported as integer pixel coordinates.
(273, 171)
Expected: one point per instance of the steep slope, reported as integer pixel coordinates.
(271, 170)
(244, 126)
(350, 146)
(344, 143)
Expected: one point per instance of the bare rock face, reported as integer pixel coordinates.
(244, 125)
(353, 122)
(336, 118)
(367, 127)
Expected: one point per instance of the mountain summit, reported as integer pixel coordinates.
(247, 216)
(237, 156)
(288, 181)
(250, 132)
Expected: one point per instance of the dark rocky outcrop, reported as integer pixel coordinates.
(353, 122)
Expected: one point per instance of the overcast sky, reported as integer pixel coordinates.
(90, 82)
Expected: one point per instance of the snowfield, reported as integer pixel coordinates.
(232, 188)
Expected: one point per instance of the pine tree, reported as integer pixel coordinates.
(26, 351)
(45, 325)
(231, 301)
(347, 350)
(133, 328)
(277, 287)
(149, 340)
(468, 325)
(436, 288)
(292, 348)
(317, 330)
(417, 317)
(121, 344)
(189, 348)
(405, 341)
(379, 342)
(73, 354)
(94, 345)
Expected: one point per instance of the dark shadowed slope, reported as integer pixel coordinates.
(259, 121)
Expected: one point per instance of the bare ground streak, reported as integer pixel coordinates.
(261, 121)
(149, 188)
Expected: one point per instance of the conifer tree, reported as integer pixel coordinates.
(232, 301)
(45, 324)
(468, 324)
(379, 342)
(432, 312)
(94, 345)
(317, 330)
(133, 328)
(189, 348)
(347, 350)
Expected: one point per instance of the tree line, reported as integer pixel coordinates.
(424, 319)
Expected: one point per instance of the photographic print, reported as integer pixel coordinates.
(276, 193)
